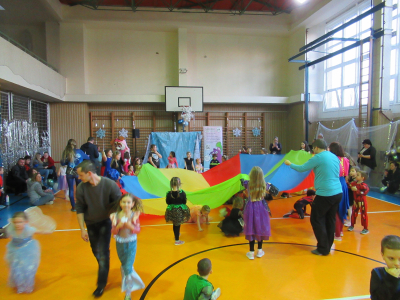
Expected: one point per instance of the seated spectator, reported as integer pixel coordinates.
(392, 178)
(43, 170)
(28, 165)
(17, 177)
(49, 162)
(38, 196)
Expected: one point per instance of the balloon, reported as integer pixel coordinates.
(395, 157)
(393, 151)
(55, 187)
(387, 152)
(383, 189)
(185, 123)
(50, 182)
(180, 121)
(398, 149)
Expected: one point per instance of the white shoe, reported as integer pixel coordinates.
(216, 294)
(260, 253)
(250, 255)
(50, 202)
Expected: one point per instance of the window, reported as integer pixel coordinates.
(394, 54)
(342, 72)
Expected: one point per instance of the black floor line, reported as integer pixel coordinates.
(144, 294)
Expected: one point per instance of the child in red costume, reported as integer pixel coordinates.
(360, 191)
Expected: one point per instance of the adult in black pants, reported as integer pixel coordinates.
(17, 177)
(95, 196)
(392, 180)
(367, 157)
(91, 150)
(329, 194)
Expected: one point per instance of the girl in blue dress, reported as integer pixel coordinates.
(23, 254)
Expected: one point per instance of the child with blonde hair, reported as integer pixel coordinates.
(62, 181)
(199, 215)
(177, 211)
(125, 227)
(256, 217)
(199, 167)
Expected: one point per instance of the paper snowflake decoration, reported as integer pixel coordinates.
(123, 132)
(101, 133)
(256, 131)
(187, 113)
(237, 132)
(45, 139)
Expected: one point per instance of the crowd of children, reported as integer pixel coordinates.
(252, 217)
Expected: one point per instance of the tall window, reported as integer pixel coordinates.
(342, 72)
(394, 54)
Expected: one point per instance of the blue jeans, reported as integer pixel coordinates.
(43, 200)
(99, 238)
(70, 180)
(45, 173)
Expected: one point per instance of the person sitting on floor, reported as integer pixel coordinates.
(392, 178)
(17, 177)
(300, 206)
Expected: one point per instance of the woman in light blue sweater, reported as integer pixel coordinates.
(38, 196)
(329, 194)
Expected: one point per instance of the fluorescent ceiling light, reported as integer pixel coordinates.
(1, 8)
(301, 1)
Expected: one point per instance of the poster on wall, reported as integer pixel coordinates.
(212, 144)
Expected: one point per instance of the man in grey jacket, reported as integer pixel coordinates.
(95, 196)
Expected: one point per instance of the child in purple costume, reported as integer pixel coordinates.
(256, 217)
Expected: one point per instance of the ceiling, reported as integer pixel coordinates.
(239, 7)
(23, 12)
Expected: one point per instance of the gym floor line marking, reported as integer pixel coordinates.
(159, 225)
(352, 298)
(144, 294)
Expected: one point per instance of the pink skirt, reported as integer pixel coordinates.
(62, 183)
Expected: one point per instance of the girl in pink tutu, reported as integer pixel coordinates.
(256, 217)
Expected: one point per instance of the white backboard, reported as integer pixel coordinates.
(177, 97)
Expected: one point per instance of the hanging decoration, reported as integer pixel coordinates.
(101, 133)
(187, 114)
(123, 132)
(237, 132)
(45, 139)
(256, 131)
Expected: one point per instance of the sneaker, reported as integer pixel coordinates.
(177, 243)
(347, 224)
(250, 255)
(215, 295)
(73, 209)
(338, 239)
(341, 234)
(351, 228)
(260, 253)
(364, 231)
(50, 202)
(316, 252)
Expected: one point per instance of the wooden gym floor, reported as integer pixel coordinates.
(288, 270)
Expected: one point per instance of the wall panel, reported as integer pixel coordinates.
(68, 121)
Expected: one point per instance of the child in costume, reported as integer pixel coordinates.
(138, 166)
(23, 253)
(62, 181)
(177, 211)
(189, 162)
(360, 190)
(131, 170)
(300, 206)
(385, 281)
(350, 178)
(127, 161)
(107, 157)
(199, 167)
(125, 227)
(172, 162)
(198, 287)
(256, 217)
(233, 223)
(214, 162)
(199, 214)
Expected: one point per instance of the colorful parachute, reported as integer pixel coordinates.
(216, 186)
